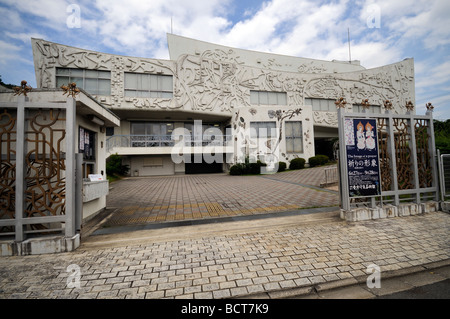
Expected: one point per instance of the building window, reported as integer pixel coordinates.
(109, 131)
(151, 134)
(323, 105)
(92, 81)
(294, 138)
(148, 85)
(358, 108)
(263, 129)
(268, 98)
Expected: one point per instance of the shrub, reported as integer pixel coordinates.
(297, 163)
(114, 166)
(281, 166)
(318, 160)
(236, 169)
(254, 168)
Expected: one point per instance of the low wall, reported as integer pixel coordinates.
(41, 245)
(387, 211)
(445, 206)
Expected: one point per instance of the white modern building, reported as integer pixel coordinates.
(231, 91)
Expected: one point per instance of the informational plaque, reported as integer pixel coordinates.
(95, 177)
(362, 157)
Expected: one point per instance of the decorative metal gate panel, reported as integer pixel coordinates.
(45, 164)
(8, 119)
(37, 182)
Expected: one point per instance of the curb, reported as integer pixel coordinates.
(303, 291)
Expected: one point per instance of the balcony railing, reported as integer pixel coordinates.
(164, 141)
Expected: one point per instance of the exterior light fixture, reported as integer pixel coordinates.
(96, 120)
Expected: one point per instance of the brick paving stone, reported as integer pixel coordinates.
(117, 272)
(224, 293)
(219, 196)
(203, 295)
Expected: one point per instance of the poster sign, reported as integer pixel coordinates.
(81, 139)
(362, 157)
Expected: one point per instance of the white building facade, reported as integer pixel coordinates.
(225, 102)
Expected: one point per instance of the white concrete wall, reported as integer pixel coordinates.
(146, 168)
(246, 145)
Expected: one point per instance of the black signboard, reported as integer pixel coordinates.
(362, 157)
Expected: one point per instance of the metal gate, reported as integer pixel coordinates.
(444, 174)
(37, 182)
(407, 159)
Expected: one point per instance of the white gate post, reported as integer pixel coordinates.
(70, 167)
(345, 199)
(20, 169)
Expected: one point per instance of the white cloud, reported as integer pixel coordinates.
(10, 52)
(24, 37)
(307, 28)
(409, 20)
(135, 26)
(434, 75)
(52, 12)
(10, 19)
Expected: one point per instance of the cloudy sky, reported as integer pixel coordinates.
(381, 32)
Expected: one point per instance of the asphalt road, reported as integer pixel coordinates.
(438, 290)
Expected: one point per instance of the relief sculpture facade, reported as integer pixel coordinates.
(212, 82)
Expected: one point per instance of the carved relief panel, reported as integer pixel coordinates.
(217, 81)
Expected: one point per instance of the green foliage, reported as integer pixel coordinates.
(281, 166)
(237, 169)
(246, 168)
(114, 166)
(318, 160)
(9, 86)
(297, 163)
(442, 135)
(254, 168)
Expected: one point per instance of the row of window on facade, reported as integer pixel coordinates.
(144, 85)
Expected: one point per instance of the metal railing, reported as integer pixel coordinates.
(331, 176)
(444, 173)
(164, 141)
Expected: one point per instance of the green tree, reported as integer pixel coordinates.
(9, 86)
(442, 135)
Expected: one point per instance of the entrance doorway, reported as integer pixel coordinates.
(203, 167)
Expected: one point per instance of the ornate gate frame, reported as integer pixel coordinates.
(64, 200)
(408, 165)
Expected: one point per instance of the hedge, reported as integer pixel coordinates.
(297, 163)
(318, 160)
(281, 166)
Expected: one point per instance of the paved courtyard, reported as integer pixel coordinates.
(174, 198)
(261, 257)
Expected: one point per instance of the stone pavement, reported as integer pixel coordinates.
(141, 200)
(259, 257)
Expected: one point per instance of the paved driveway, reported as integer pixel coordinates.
(142, 200)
